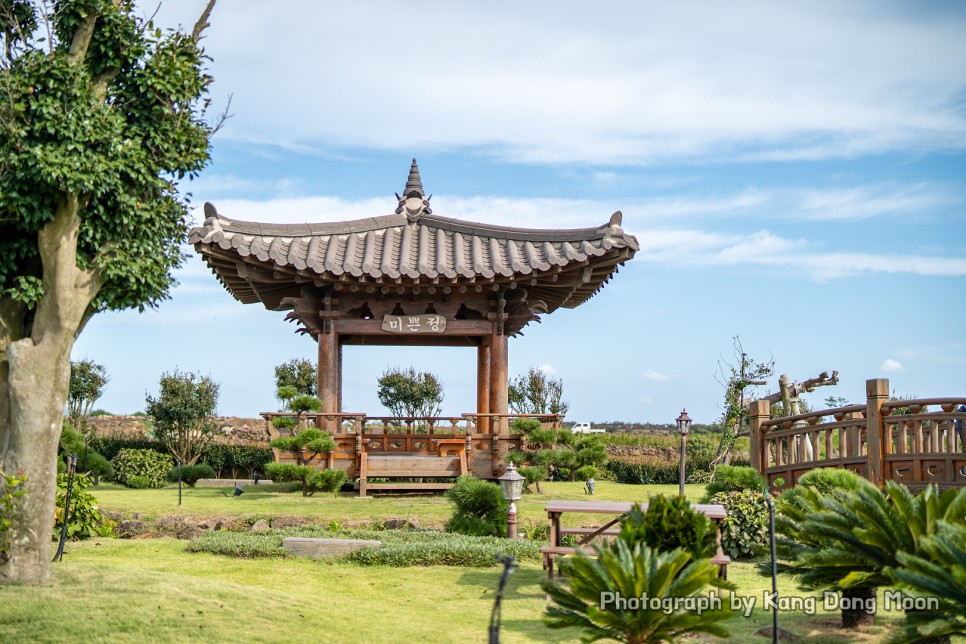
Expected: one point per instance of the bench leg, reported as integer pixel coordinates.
(550, 566)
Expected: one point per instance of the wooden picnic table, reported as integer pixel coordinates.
(617, 509)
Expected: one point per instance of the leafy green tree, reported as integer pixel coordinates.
(407, 392)
(633, 571)
(102, 114)
(183, 412)
(536, 393)
(87, 382)
(299, 373)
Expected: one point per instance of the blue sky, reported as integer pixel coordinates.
(795, 174)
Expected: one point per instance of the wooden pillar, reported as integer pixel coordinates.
(498, 379)
(876, 392)
(759, 412)
(329, 372)
(483, 385)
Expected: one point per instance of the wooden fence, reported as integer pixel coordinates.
(915, 442)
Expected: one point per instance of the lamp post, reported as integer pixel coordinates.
(512, 484)
(684, 426)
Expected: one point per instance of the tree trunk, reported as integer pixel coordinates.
(34, 382)
(855, 602)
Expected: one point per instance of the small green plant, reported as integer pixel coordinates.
(12, 487)
(85, 519)
(730, 478)
(590, 600)
(191, 474)
(937, 571)
(669, 523)
(480, 508)
(586, 472)
(152, 466)
(744, 532)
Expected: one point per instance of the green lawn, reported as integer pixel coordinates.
(431, 510)
(112, 590)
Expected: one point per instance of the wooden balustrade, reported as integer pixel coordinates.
(880, 440)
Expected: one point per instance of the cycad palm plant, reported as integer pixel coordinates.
(634, 573)
(844, 540)
(938, 573)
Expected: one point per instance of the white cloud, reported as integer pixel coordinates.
(547, 369)
(862, 202)
(891, 365)
(644, 398)
(650, 374)
(634, 82)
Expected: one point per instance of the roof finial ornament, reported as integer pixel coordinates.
(413, 201)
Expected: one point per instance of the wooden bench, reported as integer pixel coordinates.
(616, 509)
(409, 466)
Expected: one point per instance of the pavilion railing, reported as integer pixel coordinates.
(912, 441)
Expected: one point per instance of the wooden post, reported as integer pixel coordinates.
(483, 385)
(329, 371)
(498, 380)
(876, 392)
(759, 412)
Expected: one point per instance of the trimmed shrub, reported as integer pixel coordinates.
(586, 472)
(236, 461)
(331, 480)
(456, 550)
(826, 479)
(669, 523)
(139, 483)
(480, 508)
(651, 471)
(151, 465)
(190, 474)
(732, 478)
(111, 445)
(308, 478)
(744, 533)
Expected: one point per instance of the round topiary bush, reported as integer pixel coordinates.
(152, 466)
(191, 474)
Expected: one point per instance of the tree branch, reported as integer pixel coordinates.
(82, 39)
(68, 290)
(202, 23)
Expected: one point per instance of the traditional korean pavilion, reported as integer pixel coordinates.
(412, 278)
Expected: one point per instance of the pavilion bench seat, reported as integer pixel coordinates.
(550, 552)
(408, 466)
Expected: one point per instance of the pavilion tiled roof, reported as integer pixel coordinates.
(411, 247)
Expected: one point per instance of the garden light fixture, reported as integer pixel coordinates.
(684, 426)
(512, 484)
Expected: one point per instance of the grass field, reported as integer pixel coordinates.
(112, 590)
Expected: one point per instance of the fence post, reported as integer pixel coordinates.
(876, 392)
(758, 412)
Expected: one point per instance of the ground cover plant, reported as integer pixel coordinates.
(399, 548)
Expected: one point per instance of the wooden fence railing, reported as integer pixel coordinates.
(916, 442)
